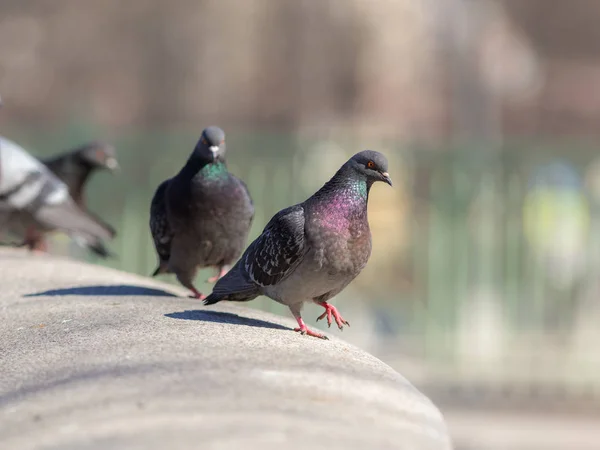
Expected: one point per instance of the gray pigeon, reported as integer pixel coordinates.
(74, 168)
(33, 198)
(201, 217)
(311, 251)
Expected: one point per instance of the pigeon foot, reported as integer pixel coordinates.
(34, 241)
(303, 329)
(37, 246)
(197, 294)
(330, 311)
(222, 271)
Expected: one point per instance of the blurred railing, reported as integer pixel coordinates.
(494, 274)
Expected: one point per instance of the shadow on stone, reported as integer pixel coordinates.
(223, 317)
(115, 290)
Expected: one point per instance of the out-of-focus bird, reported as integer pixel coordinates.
(202, 216)
(74, 168)
(33, 198)
(311, 251)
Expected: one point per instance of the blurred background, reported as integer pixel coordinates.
(483, 287)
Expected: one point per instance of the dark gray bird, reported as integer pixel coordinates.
(311, 251)
(201, 217)
(33, 198)
(74, 168)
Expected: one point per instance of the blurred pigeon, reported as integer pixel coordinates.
(74, 168)
(33, 200)
(201, 217)
(311, 251)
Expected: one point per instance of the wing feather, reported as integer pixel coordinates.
(162, 234)
(275, 254)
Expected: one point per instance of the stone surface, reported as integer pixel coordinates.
(93, 358)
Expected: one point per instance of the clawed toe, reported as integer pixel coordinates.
(309, 332)
(340, 323)
(326, 314)
(331, 311)
(197, 295)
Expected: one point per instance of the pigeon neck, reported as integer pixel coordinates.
(73, 173)
(80, 176)
(346, 180)
(198, 166)
(344, 196)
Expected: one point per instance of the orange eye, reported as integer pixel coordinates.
(204, 141)
(371, 165)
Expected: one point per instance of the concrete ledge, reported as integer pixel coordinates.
(92, 358)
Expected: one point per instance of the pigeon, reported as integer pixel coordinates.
(311, 251)
(74, 168)
(33, 200)
(202, 216)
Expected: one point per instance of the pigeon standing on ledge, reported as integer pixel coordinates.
(74, 169)
(202, 216)
(31, 196)
(311, 251)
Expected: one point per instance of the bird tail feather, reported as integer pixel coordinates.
(100, 250)
(233, 287)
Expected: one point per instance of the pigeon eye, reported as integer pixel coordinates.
(371, 165)
(203, 140)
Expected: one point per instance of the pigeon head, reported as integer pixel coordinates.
(99, 155)
(371, 165)
(211, 145)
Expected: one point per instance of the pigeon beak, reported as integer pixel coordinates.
(386, 177)
(112, 164)
(214, 149)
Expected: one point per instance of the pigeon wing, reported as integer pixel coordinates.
(279, 249)
(162, 234)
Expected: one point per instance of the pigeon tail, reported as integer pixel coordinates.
(238, 296)
(233, 287)
(212, 299)
(100, 250)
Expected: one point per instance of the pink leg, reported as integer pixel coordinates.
(331, 310)
(197, 294)
(41, 246)
(222, 271)
(303, 329)
(35, 241)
